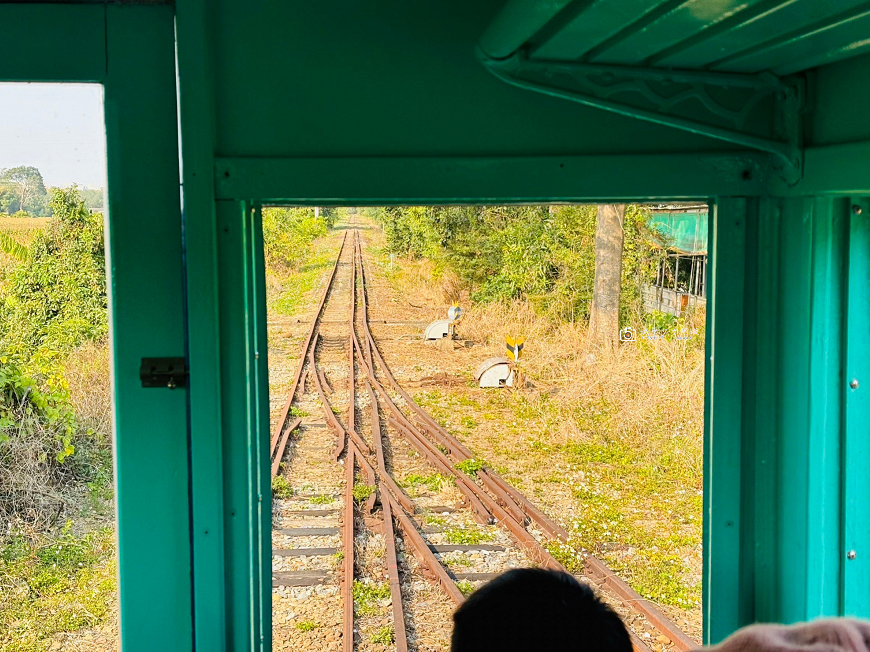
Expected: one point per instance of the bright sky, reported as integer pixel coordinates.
(57, 128)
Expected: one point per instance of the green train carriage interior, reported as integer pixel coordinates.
(758, 108)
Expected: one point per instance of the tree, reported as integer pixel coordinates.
(26, 188)
(604, 315)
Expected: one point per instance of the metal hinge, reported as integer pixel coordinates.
(163, 372)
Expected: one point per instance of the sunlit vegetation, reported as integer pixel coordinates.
(59, 584)
(544, 255)
(55, 451)
(368, 597)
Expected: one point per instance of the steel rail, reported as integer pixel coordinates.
(385, 476)
(596, 569)
(356, 441)
(279, 453)
(331, 419)
(399, 626)
(348, 546)
(351, 375)
(285, 412)
(443, 438)
(451, 442)
(481, 514)
(424, 555)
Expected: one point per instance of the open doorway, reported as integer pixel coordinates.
(57, 515)
(387, 326)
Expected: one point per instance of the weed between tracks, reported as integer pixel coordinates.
(362, 491)
(466, 536)
(465, 587)
(281, 487)
(307, 625)
(434, 482)
(369, 597)
(385, 635)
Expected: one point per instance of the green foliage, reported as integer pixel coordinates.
(467, 537)
(566, 555)
(433, 482)
(465, 587)
(470, 466)
(307, 625)
(544, 254)
(30, 413)
(362, 491)
(11, 247)
(287, 234)
(368, 595)
(322, 499)
(60, 585)
(281, 487)
(22, 189)
(56, 299)
(384, 636)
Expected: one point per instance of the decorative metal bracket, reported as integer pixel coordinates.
(759, 111)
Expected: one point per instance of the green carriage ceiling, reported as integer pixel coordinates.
(759, 107)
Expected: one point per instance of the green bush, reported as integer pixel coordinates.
(56, 298)
(53, 300)
(544, 254)
(287, 232)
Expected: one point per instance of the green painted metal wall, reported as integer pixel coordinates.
(787, 434)
(130, 50)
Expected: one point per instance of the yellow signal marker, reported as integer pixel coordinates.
(514, 347)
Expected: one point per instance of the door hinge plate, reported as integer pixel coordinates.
(163, 372)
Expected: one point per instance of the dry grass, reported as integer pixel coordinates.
(86, 372)
(23, 229)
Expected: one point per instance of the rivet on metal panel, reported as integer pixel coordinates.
(854, 383)
(851, 554)
(857, 209)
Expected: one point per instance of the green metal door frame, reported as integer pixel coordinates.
(786, 446)
(130, 51)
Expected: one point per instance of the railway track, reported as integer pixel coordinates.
(379, 548)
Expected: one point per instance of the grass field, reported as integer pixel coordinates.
(21, 229)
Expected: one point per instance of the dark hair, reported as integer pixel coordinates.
(537, 610)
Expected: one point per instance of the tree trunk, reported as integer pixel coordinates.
(604, 316)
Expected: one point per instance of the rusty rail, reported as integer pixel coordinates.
(280, 431)
(331, 419)
(493, 498)
(510, 508)
(348, 549)
(279, 452)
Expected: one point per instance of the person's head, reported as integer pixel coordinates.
(539, 610)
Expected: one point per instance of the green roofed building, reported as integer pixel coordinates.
(681, 281)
